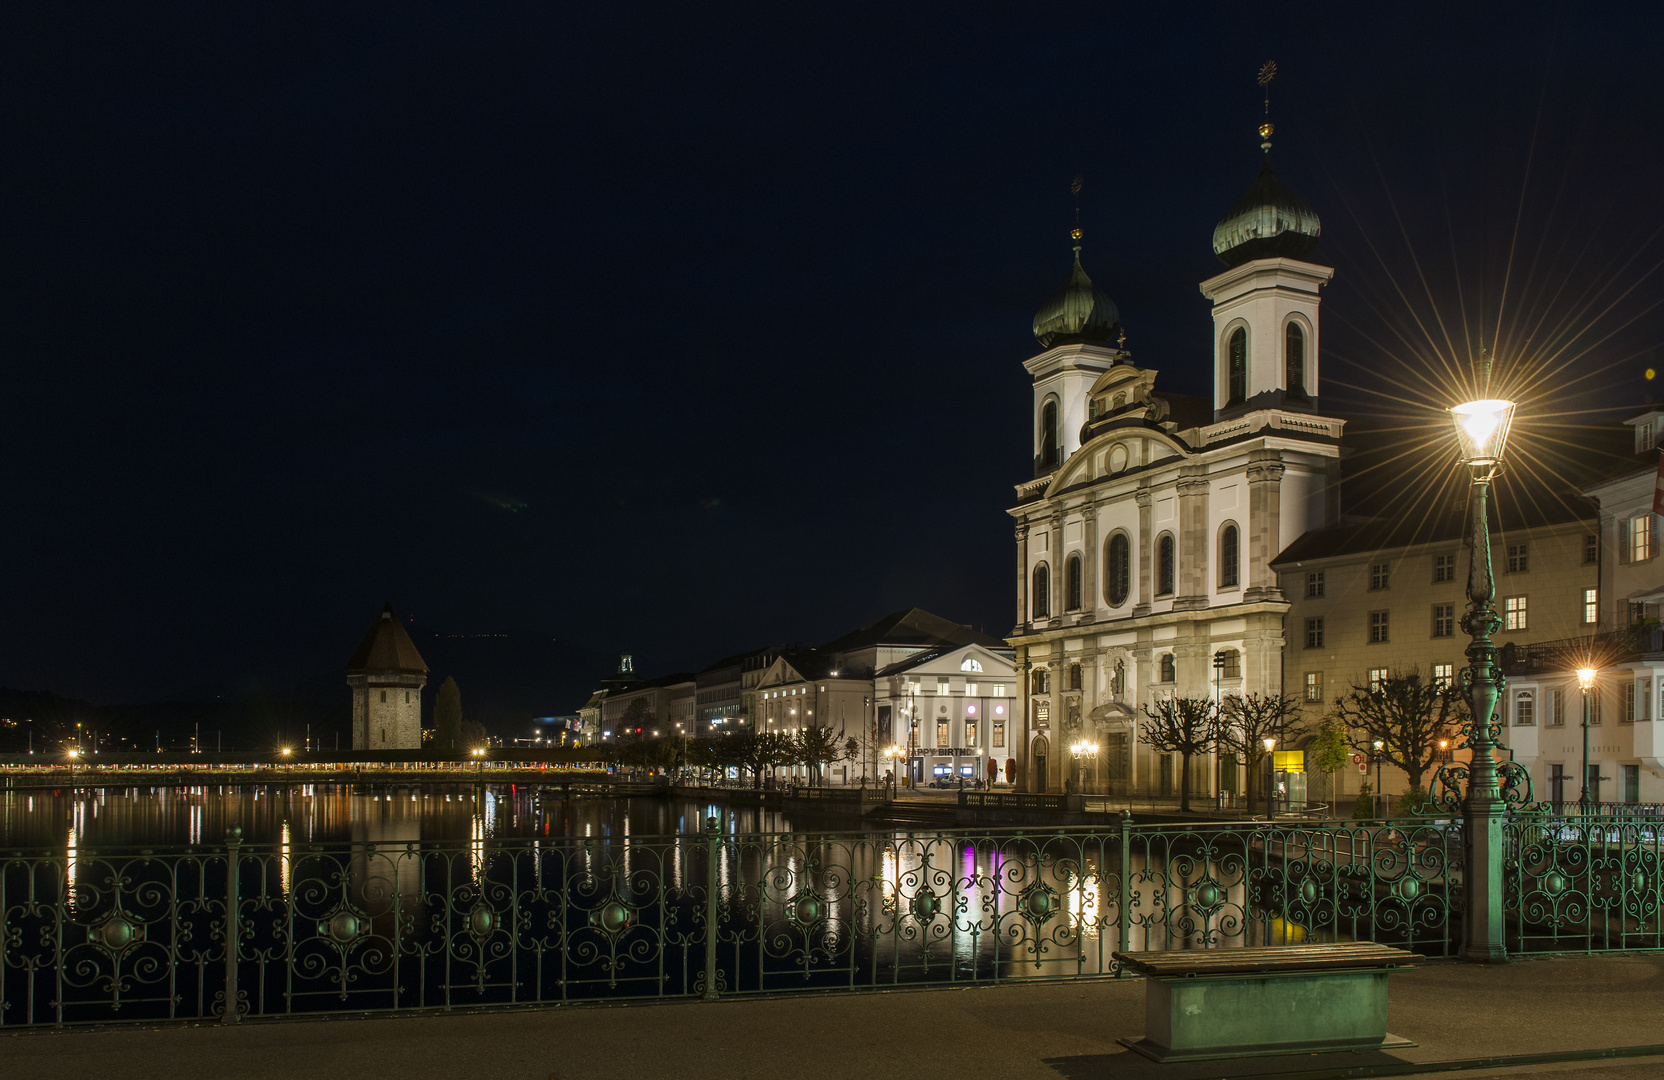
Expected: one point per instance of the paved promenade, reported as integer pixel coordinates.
(1042, 1031)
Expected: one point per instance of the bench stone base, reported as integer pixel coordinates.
(1231, 1016)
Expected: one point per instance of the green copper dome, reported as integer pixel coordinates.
(1078, 314)
(1270, 222)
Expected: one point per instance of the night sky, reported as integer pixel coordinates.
(687, 328)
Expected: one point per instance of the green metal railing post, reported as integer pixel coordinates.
(713, 844)
(1126, 879)
(233, 921)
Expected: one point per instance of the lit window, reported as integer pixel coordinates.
(942, 733)
(1377, 627)
(1513, 613)
(970, 733)
(970, 689)
(1444, 568)
(1524, 709)
(1314, 686)
(1444, 620)
(1314, 633)
(1517, 561)
(1443, 675)
(1640, 538)
(999, 733)
(942, 685)
(1377, 676)
(1591, 606)
(1314, 584)
(1378, 575)
(999, 689)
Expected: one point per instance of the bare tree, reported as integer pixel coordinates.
(813, 747)
(1248, 721)
(1413, 719)
(1186, 726)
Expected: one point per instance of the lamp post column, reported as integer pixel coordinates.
(1584, 678)
(1482, 810)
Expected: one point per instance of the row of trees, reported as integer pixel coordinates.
(1414, 720)
(754, 753)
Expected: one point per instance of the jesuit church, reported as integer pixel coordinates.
(1146, 535)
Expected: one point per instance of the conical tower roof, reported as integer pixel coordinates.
(387, 649)
(1080, 313)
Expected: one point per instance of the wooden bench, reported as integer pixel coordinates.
(1293, 999)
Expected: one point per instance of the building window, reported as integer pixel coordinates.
(1231, 668)
(1646, 699)
(999, 690)
(1314, 585)
(1050, 457)
(1591, 606)
(1314, 633)
(1042, 590)
(1228, 558)
(1639, 538)
(1169, 672)
(1377, 676)
(1591, 549)
(384, 696)
(1117, 570)
(1377, 627)
(1593, 705)
(1444, 568)
(1628, 715)
(1513, 613)
(1075, 680)
(1556, 708)
(1071, 583)
(1444, 620)
(1524, 709)
(1164, 565)
(970, 689)
(970, 733)
(1443, 675)
(1314, 686)
(1040, 681)
(999, 733)
(1294, 360)
(942, 733)
(1378, 575)
(1518, 562)
(941, 685)
(1238, 373)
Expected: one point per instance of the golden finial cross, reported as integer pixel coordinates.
(1268, 71)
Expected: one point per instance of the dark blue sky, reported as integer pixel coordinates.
(685, 328)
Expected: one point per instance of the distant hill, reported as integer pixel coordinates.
(507, 678)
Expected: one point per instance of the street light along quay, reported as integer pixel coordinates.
(1082, 750)
(1482, 433)
(1585, 680)
(1270, 774)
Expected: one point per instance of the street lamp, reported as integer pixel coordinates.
(1482, 433)
(1270, 775)
(1585, 680)
(1218, 759)
(894, 753)
(1378, 746)
(1081, 750)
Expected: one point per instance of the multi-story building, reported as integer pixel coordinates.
(1146, 537)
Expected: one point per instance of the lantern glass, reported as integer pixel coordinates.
(1585, 677)
(1482, 429)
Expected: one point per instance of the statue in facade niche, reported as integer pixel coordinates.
(1118, 683)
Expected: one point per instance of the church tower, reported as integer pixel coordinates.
(1265, 327)
(387, 675)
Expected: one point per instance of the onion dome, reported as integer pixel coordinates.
(1270, 222)
(1078, 314)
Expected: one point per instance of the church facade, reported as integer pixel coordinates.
(1146, 535)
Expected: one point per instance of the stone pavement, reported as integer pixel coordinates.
(1034, 1031)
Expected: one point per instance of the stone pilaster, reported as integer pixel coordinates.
(1022, 574)
(1089, 561)
(1262, 536)
(1146, 552)
(1192, 583)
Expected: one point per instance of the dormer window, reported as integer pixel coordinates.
(1645, 436)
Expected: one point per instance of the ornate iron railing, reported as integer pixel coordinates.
(141, 935)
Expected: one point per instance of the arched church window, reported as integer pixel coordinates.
(1238, 369)
(1164, 565)
(1071, 584)
(1229, 559)
(1042, 592)
(1294, 360)
(1169, 671)
(1050, 456)
(1117, 569)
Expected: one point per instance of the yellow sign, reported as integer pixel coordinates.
(1289, 760)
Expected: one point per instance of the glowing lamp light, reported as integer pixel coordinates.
(1379, 745)
(999, 710)
(286, 751)
(1482, 429)
(1585, 677)
(1270, 744)
(970, 710)
(75, 753)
